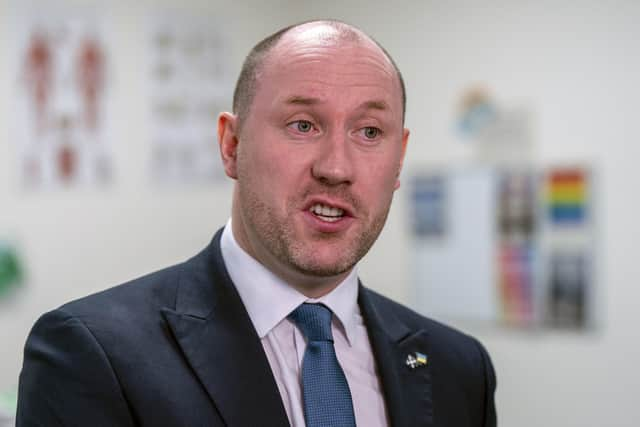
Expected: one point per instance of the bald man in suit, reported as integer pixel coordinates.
(315, 146)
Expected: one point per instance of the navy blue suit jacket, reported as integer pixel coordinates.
(177, 348)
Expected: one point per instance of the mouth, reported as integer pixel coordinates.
(326, 213)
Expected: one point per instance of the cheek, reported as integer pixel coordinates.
(384, 173)
(271, 175)
(255, 161)
(379, 182)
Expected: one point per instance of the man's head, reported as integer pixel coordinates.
(247, 80)
(316, 146)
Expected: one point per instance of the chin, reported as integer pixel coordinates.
(328, 267)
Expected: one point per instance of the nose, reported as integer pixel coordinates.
(333, 164)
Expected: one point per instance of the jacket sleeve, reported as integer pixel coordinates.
(67, 379)
(490, 418)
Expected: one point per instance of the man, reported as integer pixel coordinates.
(268, 326)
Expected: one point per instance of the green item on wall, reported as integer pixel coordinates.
(8, 406)
(8, 400)
(10, 268)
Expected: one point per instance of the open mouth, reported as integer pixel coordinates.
(326, 213)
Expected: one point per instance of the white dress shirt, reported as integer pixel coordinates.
(269, 300)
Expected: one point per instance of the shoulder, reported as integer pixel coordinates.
(133, 312)
(102, 332)
(461, 348)
(414, 320)
(135, 298)
(127, 314)
(89, 347)
(156, 290)
(461, 369)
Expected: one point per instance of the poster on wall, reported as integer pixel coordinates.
(498, 133)
(569, 242)
(189, 85)
(429, 205)
(516, 250)
(511, 246)
(60, 99)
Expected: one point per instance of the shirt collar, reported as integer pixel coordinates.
(256, 284)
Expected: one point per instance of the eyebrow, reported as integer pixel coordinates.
(368, 105)
(375, 105)
(301, 100)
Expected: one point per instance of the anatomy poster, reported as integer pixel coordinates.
(189, 85)
(61, 88)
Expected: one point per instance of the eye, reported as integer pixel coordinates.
(370, 132)
(302, 126)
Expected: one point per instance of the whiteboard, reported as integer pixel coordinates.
(454, 273)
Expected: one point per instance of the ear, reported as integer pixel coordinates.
(228, 141)
(405, 139)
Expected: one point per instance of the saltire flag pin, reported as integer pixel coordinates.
(416, 360)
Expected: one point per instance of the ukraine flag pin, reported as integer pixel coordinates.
(421, 359)
(416, 360)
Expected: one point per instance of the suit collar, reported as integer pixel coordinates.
(380, 316)
(218, 340)
(407, 391)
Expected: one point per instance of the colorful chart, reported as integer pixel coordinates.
(516, 278)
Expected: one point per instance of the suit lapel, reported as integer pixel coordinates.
(217, 337)
(407, 391)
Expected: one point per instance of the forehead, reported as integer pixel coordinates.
(323, 59)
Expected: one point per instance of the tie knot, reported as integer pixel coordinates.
(314, 321)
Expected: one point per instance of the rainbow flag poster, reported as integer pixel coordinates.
(567, 196)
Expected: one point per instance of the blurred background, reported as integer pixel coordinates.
(517, 216)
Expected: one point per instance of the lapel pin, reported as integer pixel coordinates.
(416, 360)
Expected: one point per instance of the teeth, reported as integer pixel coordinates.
(329, 218)
(327, 213)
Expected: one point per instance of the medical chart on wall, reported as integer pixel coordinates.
(189, 85)
(59, 108)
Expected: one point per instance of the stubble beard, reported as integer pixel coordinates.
(277, 235)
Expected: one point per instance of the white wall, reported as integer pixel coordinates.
(576, 64)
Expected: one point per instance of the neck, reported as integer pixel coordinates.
(310, 285)
(315, 287)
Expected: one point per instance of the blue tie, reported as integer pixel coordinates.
(325, 392)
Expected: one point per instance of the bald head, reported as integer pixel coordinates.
(327, 32)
